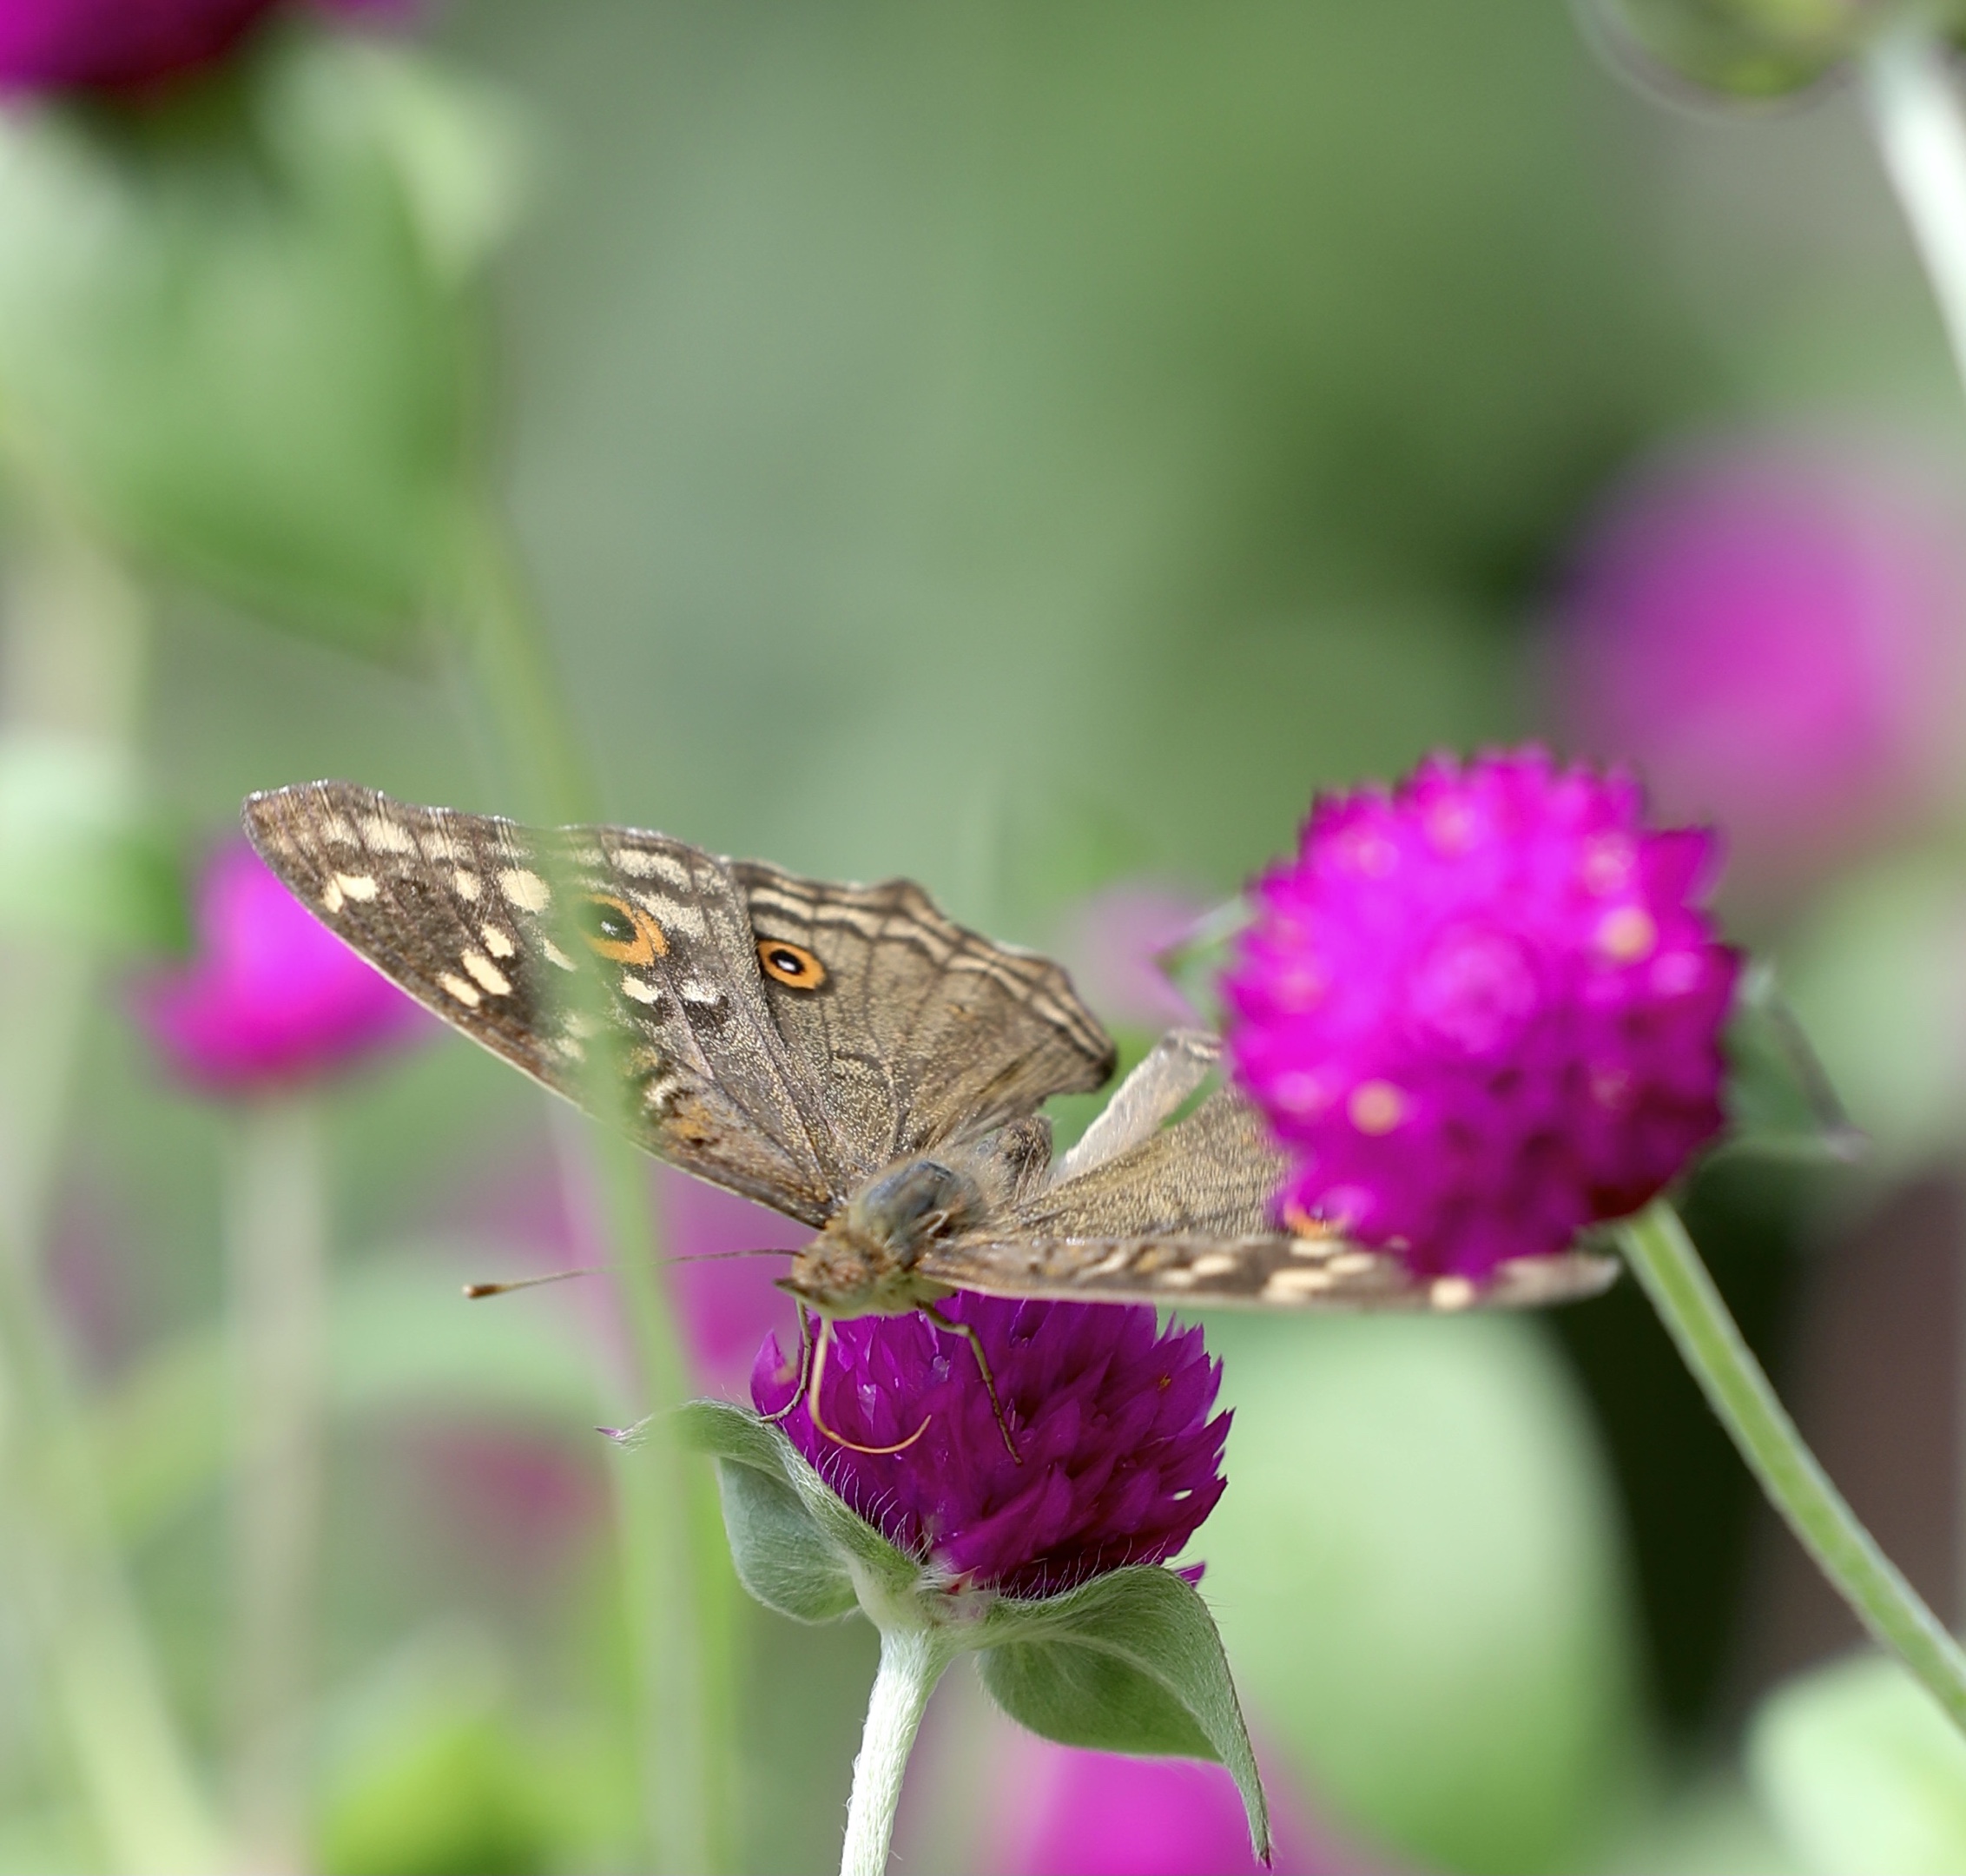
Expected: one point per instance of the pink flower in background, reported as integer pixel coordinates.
(728, 1304)
(1483, 1011)
(1772, 632)
(1070, 1812)
(1111, 942)
(120, 45)
(270, 997)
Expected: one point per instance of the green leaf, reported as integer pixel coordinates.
(1129, 1661)
(1780, 1101)
(840, 1540)
(1862, 1773)
(233, 334)
(781, 1555)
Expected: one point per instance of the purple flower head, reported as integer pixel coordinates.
(270, 997)
(1483, 1011)
(1771, 631)
(1120, 1460)
(122, 45)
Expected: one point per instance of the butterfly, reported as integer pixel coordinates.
(848, 1055)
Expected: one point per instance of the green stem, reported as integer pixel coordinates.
(278, 1298)
(74, 655)
(680, 1629)
(1915, 114)
(1670, 1268)
(912, 1661)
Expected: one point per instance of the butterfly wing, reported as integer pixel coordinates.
(1186, 1216)
(531, 942)
(914, 1029)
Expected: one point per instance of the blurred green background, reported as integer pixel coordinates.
(1030, 448)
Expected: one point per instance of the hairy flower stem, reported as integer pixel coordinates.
(278, 1299)
(1916, 116)
(912, 1657)
(678, 1608)
(1670, 1268)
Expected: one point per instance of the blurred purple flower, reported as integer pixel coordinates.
(1111, 942)
(1120, 1460)
(1483, 1011)
(270, 997)
(727, 1304)
(1067, 1811)
(125, 45)
(1772, 632)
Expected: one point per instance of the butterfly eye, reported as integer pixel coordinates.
(790, 964)
(616, 930)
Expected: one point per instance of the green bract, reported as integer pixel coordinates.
(1128, 1661)
(232, 328)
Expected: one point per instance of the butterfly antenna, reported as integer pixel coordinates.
(975, 1342)
(812, 1402)
(707, 1256)
(476, 1290)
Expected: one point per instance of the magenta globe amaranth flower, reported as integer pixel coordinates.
(270, 997)
(122, 45)
(1118, 1461)
(1483, 1011)
(1771, 630)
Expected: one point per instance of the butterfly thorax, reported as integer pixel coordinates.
(863, 1262)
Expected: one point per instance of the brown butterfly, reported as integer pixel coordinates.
(846, 1055)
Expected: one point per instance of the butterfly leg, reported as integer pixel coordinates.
(1173, 1069)
(975, 1342)
(805, 1368)
(819, 1348)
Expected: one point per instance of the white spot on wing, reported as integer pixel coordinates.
(524, 889)
(487, 973)
(498, 942)
(381, 834)
(332, 898)
(465, 994)
(467, 884)
(1213, 1263)
(703, 995)
(358, 886)
(554, 955)
(640, 988)
(337, 832)
(1451, 1293)
(1292, 1286)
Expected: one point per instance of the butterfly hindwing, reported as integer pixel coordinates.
(1266, 1270)
(917, 1029)
(533, 944)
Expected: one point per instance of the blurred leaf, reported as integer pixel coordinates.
(1780, 1102)
(82, 858)
(437, 1780)
(1861, 1772)
(1743, 48)
(1417, 1578)
(1875, 978)
(1130, 1661)
(229, 324)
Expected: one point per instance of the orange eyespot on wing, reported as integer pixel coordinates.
(789, 964)
(619, 932)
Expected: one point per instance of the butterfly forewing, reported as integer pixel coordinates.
(916, 1029)
(489, 925)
